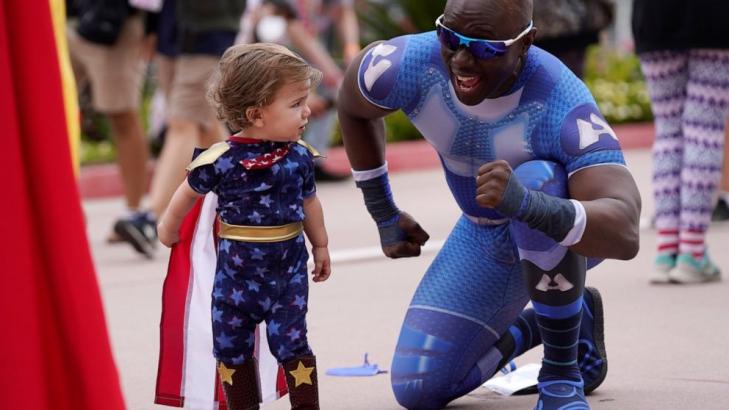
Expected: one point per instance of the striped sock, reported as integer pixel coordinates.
(692, 241)
(521, 336)
(668, 242)
(559, 327)
(525, 332)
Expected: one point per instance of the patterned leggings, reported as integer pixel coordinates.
(690, 98)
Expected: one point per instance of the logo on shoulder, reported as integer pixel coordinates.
(379, 67)
(585, 130)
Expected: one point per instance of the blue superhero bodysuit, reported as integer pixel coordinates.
(474, 289)
(259, 281)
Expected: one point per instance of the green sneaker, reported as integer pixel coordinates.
(661, 267)
(692, 270)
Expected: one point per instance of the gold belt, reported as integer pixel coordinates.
(260, 233)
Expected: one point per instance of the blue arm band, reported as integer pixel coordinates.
(551, 215)
(382, 208)
(378, 199)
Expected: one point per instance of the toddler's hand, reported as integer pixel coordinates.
(322, 264)
(167, 236)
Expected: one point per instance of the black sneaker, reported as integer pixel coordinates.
(721, 212)
(140, 231)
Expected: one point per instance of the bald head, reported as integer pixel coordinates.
(496, 19)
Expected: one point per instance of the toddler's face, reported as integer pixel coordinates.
(286, 117)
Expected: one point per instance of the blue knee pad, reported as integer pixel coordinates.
(550, 178)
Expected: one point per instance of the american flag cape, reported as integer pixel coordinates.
(186, 374)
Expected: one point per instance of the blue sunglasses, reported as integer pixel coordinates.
(479, 48)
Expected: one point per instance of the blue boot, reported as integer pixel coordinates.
(561, 395)
(591, 356)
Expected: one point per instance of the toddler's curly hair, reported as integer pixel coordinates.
(249, 75)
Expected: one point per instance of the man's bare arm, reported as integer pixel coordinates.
(612, 205)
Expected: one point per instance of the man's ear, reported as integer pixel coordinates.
(254, 115)
(529, 40)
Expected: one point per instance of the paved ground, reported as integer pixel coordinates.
(667, 345)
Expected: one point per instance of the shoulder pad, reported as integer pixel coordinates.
(314, 153)
(209, 155)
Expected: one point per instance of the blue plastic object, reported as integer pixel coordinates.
(366, 369)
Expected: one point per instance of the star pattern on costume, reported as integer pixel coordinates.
(238, 360)
(257, 254)
(229, 271)
(225, 341)
(266, 201)
(226, 375)
(255, 217)
(291, 166)
(263, 187)
(302, 374)
(273, 328)
(204, 175)
(217, 315)
(251, 275)
(265, 304)
(294, 334)
(237, 296)
(253, 285)
(236, 322)
(217, 293)
(300, 302)
(251, 340)
(223, 164)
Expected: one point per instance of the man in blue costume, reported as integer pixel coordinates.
(487, 107)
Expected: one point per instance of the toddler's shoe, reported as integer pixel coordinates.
(661, 268)
(561, 395)
(691, 270)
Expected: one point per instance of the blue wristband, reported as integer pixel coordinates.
(553, 216)
(378, 198)
(382, 208)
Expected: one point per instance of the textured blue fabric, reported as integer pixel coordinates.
(257, 282)
(474, 289)
(470, 295)
(265, 197)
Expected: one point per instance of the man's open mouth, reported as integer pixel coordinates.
(467, 83)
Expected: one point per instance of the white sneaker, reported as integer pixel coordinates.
(692, 270)
(661, 268)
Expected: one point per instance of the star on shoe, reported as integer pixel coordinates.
(302, 374)
(226, 375)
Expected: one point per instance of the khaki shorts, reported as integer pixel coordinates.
(184, 80)
(114, 72)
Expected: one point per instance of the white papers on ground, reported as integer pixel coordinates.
(518, 379)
